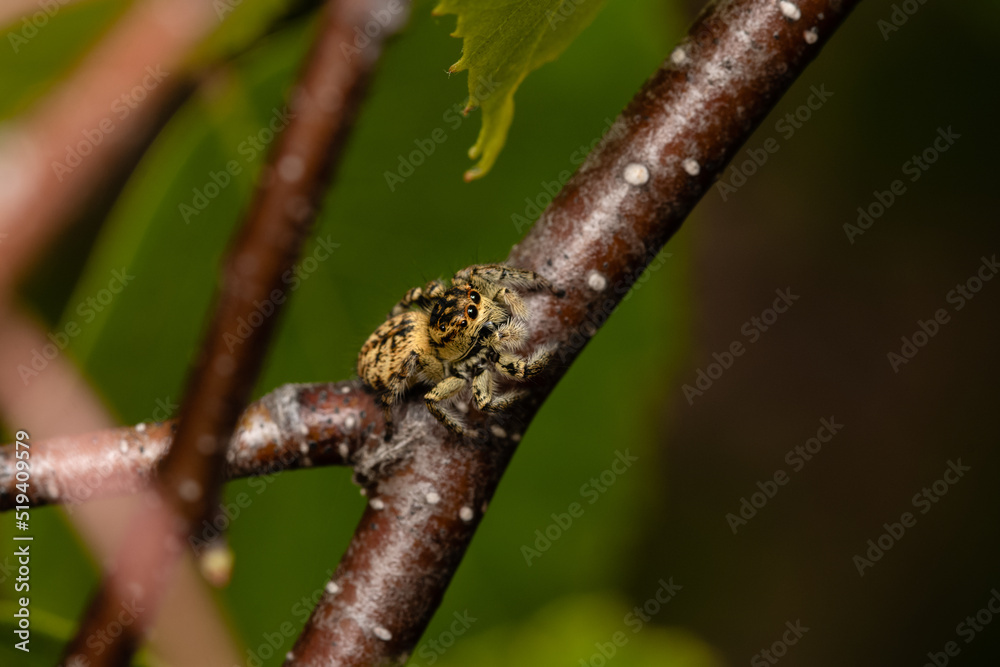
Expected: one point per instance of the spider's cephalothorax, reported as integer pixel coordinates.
(458, 335)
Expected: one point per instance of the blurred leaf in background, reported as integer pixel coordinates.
(502, 42)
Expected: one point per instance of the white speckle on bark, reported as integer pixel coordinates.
(596, 281)
(350, 422)
(376, 504)
(466, 514)
(382, 633)
(516, 437)
(343, 450)
(498, 431)
(332, 588)
(304, 448)
(678, 57)
(790, 10)
(291, 168)
(811, 35)
(432, 497)
(123, 446)
(636, 174)
(189, 490)
(140, 428)
(691, 166)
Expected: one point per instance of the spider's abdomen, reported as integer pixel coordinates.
(387, 358)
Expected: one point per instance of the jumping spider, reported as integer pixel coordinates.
(459, 335)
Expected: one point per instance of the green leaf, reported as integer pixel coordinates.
(503, 41)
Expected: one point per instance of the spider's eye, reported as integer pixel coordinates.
(471, 312)
(442, 327)
(463, 323)
(474, 297)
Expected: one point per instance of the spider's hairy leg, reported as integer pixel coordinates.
(509, 335)
(420, 296)
(515, 304)
(486, 401)
(505, 276)
(443, 390)
(521, 369)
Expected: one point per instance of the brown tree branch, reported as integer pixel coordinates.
(281, 214)
(294, 426)
(594, 240)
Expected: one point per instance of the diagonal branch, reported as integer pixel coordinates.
(598, 235)
(294, 426)
(323, 106)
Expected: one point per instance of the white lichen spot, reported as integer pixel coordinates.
(189, 490)
(332, 588)
(636, 174)
(432, 497)
(596, 281)
(811, 35)
(382, 633)
(465, 514)
(691, 166)
(678, 57)
(291, 168)
(498, 431)
(123, 446)
(350, 422)
(790, 10)
(376, 504)
(140, 428)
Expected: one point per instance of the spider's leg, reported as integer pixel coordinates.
(443, 390)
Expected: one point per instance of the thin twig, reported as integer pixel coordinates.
(294, 426)
(594, 240)
(189, 477)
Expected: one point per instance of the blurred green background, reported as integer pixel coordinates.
(665, 517)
